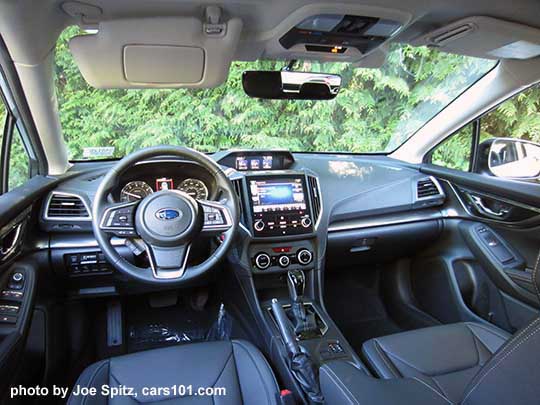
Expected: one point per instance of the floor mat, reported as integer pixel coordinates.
(149, 328)
(354, 303)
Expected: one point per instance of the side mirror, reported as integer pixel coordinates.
(291, 85)
(514, 158)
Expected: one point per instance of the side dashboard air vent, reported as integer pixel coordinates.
(429, 192)
(316, 202)
(66, 206)
(426, 188)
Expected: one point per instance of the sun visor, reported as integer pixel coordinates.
(485, 37)
(157, 53)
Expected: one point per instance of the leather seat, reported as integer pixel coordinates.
(446, 357)
(237, 366)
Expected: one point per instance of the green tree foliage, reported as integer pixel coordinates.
(19, 164)
(376, 110)
(518, 117)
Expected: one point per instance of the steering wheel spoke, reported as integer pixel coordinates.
(119, 219)
(168, 262)
(217, 217)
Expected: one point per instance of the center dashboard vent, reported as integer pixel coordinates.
(66, 206)
(237, 183)
(316, 202)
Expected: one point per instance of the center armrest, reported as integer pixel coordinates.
(343, 383)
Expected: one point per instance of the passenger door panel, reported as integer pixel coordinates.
(499, 223)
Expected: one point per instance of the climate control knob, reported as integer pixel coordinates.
(262, 261)
(284, 261)
(304, 256)
(259, 225)
(306, 222)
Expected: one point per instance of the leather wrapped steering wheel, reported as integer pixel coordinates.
(167, 221)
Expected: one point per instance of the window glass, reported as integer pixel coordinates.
(3, 115)
(518, 117)
(455, 151)
(19, 162)
(376, 110)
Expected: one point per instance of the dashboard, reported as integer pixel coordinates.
(292, 205)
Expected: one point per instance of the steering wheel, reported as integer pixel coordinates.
(167, 221)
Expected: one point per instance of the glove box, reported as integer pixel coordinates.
(381, 243)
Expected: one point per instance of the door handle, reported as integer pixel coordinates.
(10, 241)
(484, 210)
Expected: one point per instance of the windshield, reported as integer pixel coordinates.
(375, 112)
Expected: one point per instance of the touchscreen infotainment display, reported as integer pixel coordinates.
(278, 194)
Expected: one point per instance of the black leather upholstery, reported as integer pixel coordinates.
(445, 357)
(342, 383)
(238, 366)
(512, 375)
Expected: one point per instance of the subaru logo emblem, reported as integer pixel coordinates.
(168, 214)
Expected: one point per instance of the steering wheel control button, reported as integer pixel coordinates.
(259, 225)
(121, 218)
(304, 256)
(262, 261)
(212, 216)
(284, 261)
(305, 222)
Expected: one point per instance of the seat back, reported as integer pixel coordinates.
(512, 375)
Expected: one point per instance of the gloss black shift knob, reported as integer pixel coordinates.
(296, 282)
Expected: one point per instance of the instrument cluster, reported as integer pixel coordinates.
(138, 189)
(152, 176)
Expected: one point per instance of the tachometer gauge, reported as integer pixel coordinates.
(135, 190)
(195, 188)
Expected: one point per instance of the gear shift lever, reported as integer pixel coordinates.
(302, 321)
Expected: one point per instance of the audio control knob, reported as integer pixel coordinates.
(259, 225)
(284, 261)
(304, 256)
(306, 222)
(262, 261)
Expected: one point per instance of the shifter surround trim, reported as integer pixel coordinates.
(307, 303)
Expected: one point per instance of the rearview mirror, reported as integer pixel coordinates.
(291, 85)
(514, 158)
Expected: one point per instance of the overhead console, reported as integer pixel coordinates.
(335, 33)
(352, 33)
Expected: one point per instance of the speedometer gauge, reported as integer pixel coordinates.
(135, 190)
(195, 188)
